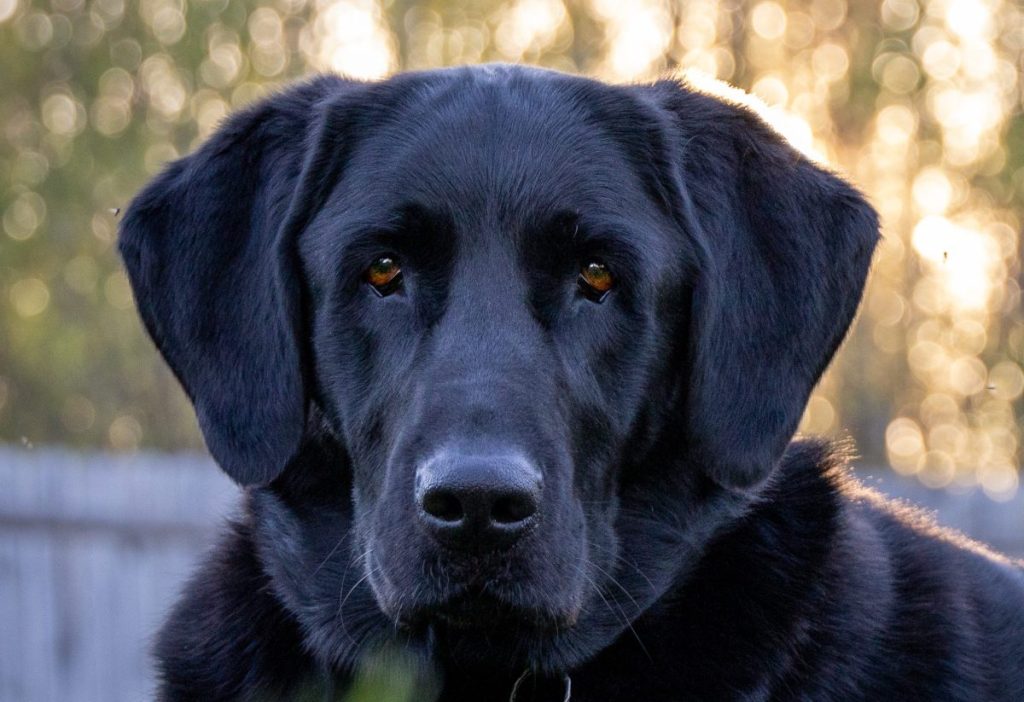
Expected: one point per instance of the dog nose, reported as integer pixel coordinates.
(478, 502)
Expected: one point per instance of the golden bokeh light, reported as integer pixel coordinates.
(918, 101)
(30, 297)
(349, 37)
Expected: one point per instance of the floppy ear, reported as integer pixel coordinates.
(784, 249)
(214, 281)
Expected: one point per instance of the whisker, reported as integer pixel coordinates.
(331, 553)
(615, 582)
(621, 613)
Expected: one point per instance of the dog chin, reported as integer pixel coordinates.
(508, 644)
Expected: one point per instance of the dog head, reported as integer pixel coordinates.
(496, 348)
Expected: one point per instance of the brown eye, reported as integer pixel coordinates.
(596, 280)
(384, 275)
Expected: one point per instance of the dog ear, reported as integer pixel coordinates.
(784, 248)
(213, 277)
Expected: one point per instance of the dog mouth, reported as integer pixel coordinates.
(475, 610)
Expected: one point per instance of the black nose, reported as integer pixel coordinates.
(478, 502)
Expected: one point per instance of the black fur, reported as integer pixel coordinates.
(686, 548)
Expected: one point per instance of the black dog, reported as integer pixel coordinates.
(510, 362)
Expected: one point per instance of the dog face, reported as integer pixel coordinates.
(485, 337)
(499, 349)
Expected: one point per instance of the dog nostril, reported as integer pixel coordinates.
(477, 502)
(443, 505)
(512, 509)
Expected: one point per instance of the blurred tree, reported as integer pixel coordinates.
(918, 101)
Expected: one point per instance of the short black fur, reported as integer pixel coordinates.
(668, 539)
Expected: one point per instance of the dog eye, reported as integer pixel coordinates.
(595, 280)
(384, 275)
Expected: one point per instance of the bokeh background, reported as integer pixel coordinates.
(918, 101)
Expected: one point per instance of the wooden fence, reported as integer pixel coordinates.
(93, 549)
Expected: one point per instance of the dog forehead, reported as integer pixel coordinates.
(496, 135)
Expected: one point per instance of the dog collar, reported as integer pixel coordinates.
(566, 681)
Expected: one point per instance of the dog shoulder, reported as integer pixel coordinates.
(228, 637)
(951, 599)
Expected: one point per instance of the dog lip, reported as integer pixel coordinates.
(474, 610)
